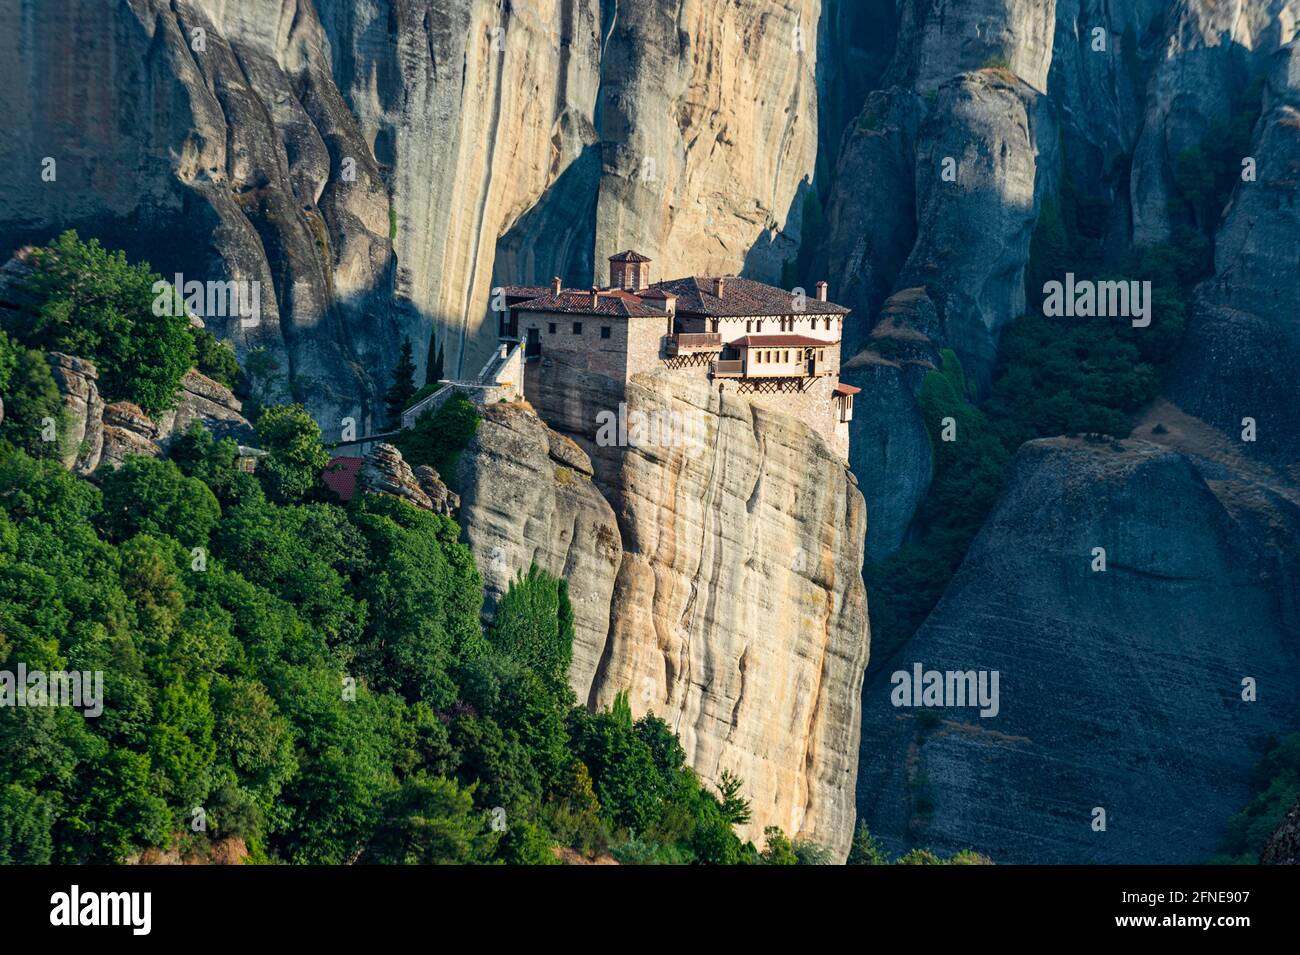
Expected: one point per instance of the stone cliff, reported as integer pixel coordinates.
(1120, 689)
(728, 575)
(378, 166)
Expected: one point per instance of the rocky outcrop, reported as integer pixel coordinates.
(1241, 357)
(245, 166)
(1283, 847)
(999, 138)
(386, 472)
(99, 434)
(528, 498)
(127, 431)
(940, 38)
(1124, 689)
(709, 133)
(83, 438)
(722, 591)
(1210, 53)
(739, 614)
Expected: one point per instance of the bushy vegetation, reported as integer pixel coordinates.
(314, 677)
(33, 407)
(440, 436)
(215, 358)
(866, 851)
(92, 303)
(309, 678)
(1276, 782)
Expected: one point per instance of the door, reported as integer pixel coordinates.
(533, 347)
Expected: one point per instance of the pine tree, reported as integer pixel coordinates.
(398, 396)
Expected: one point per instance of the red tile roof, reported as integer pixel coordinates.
(843, 389)
(628, 256)
(341, 474)
(740, 297)
(616, 302)
(778, 341)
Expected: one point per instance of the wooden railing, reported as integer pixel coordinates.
(728, 369)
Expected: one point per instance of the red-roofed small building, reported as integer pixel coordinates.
(341, 476)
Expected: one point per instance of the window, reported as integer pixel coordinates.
(604, 331)
(749, 326)
(785, 357)
(550, 328)
(715, 326)
(760, 324)
(577, 328)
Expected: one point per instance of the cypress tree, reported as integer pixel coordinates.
(398, 395)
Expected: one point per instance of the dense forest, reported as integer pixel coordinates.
(287, 678)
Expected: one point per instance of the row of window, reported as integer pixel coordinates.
(765, 356)
(785, 324)
(577, 329)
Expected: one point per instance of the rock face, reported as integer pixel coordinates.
(709, 133)
(101, 434)
(1241, 359)
(211, 140)
(722, 591)
(1283, 847)
(529, 499)
(1120, 689)
(367, 161)
(83, 440)
(739, 614)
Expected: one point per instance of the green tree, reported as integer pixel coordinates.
(429, 822)
(865, 850)
(398, 396)
(779, 851)
(534, 625)
(215, 358)
(152, 496)
(438, 438)
(92, 303)
(735, 809)
(34, 406)
(294, 457)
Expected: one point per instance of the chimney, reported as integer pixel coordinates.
(718, 286)
(555, 285)
(821, 291)
(595, 298)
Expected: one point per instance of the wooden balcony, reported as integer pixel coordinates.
(690, 343)
(729, 369)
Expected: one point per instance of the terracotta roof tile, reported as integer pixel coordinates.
(740, 297)
(616, 303)
(340, 476)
